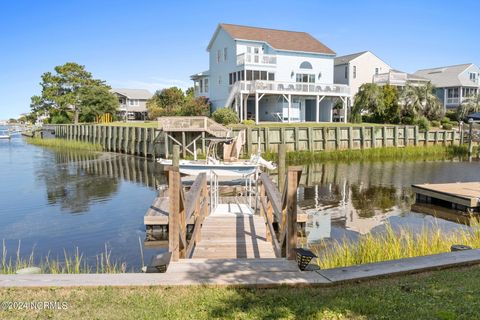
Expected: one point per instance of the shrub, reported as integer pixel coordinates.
(447, 126)
(225, 116)
(445, 120)
(435, 123)
(407, 120)
(248, 122)
(452, 115)
(423, 123)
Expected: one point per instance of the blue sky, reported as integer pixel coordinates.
(156, 44)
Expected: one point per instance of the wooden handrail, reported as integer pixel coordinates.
(285, 209)
(182, 207)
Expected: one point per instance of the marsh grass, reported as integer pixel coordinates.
(395, 244)
(375, 154)
(64, 144)
(70, 263)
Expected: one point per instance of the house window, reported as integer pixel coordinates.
(346, 72)
(452, 93)
(133, 102)
(305, 77)
(354, 72)
(219, 80)
(201, 86)
(306, 65)
(473, 76)
(224, 54)
(230, 78)
(205, 85)
(376, 71)
(271, 76)
(219, 56)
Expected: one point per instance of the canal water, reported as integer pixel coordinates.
(56, 201)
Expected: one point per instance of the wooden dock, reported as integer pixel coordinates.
(463, 196)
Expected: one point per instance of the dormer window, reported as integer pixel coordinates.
(306, 65)
(473, 76)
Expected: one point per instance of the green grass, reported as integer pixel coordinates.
(64, 144)
(375, 154)
(307, 124)
(395, 244)
(138, 124)
(70, 263)
(447, 294)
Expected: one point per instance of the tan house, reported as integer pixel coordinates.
(133, 103)
(358, 68)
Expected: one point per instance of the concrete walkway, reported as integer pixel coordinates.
(247, 273)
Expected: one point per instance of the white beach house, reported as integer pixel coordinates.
(272, 75)
(453, 83)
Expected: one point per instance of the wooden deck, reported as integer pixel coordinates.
(462, 193)
(232, 236)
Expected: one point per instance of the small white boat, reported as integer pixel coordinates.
(5, 134)
(239, 169)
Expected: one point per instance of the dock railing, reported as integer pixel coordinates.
(183, 206)
(193, 124)
(281, 208)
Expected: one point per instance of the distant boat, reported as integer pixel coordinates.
(4, 134)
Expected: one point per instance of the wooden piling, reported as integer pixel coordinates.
(176, 155)
(292, 185)
(282, 154)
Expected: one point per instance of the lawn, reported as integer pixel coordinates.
(139, 124)
(308, 124)
(447, 294)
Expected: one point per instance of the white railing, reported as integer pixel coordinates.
(259, 59)
(293, 87)
(398, 78)
(453, 100)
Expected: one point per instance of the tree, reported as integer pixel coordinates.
(391, 112)
(368, 99)
(420, 101)
(469, 105)
(173, 102)
(96, 101)
(61, 90)
(166, 102)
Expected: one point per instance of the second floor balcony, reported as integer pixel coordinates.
(256, 59)
(299, 88)
(392, 78)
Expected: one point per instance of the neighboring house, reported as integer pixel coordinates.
(133, 103)
(359, 68)
(398, 79)
(271, 75)
(453, 83)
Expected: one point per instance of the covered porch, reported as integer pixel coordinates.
(270, 101)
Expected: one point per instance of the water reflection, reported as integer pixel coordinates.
(76, 179)
(348, 200)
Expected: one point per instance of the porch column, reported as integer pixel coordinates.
(289, 106)
(240, 115)
(345, 110)
(445, 95)
(245, 108)
(459, 95)
(331, 112)
(256, 107)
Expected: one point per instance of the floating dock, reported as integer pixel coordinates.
(460, 196)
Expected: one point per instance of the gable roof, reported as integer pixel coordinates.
(277, 39)
(447, 76)
(349, 57)
(140, 94)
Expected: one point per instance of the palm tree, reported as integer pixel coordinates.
(469, 105)
(417, 101)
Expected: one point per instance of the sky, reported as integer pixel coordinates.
(158, 44)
